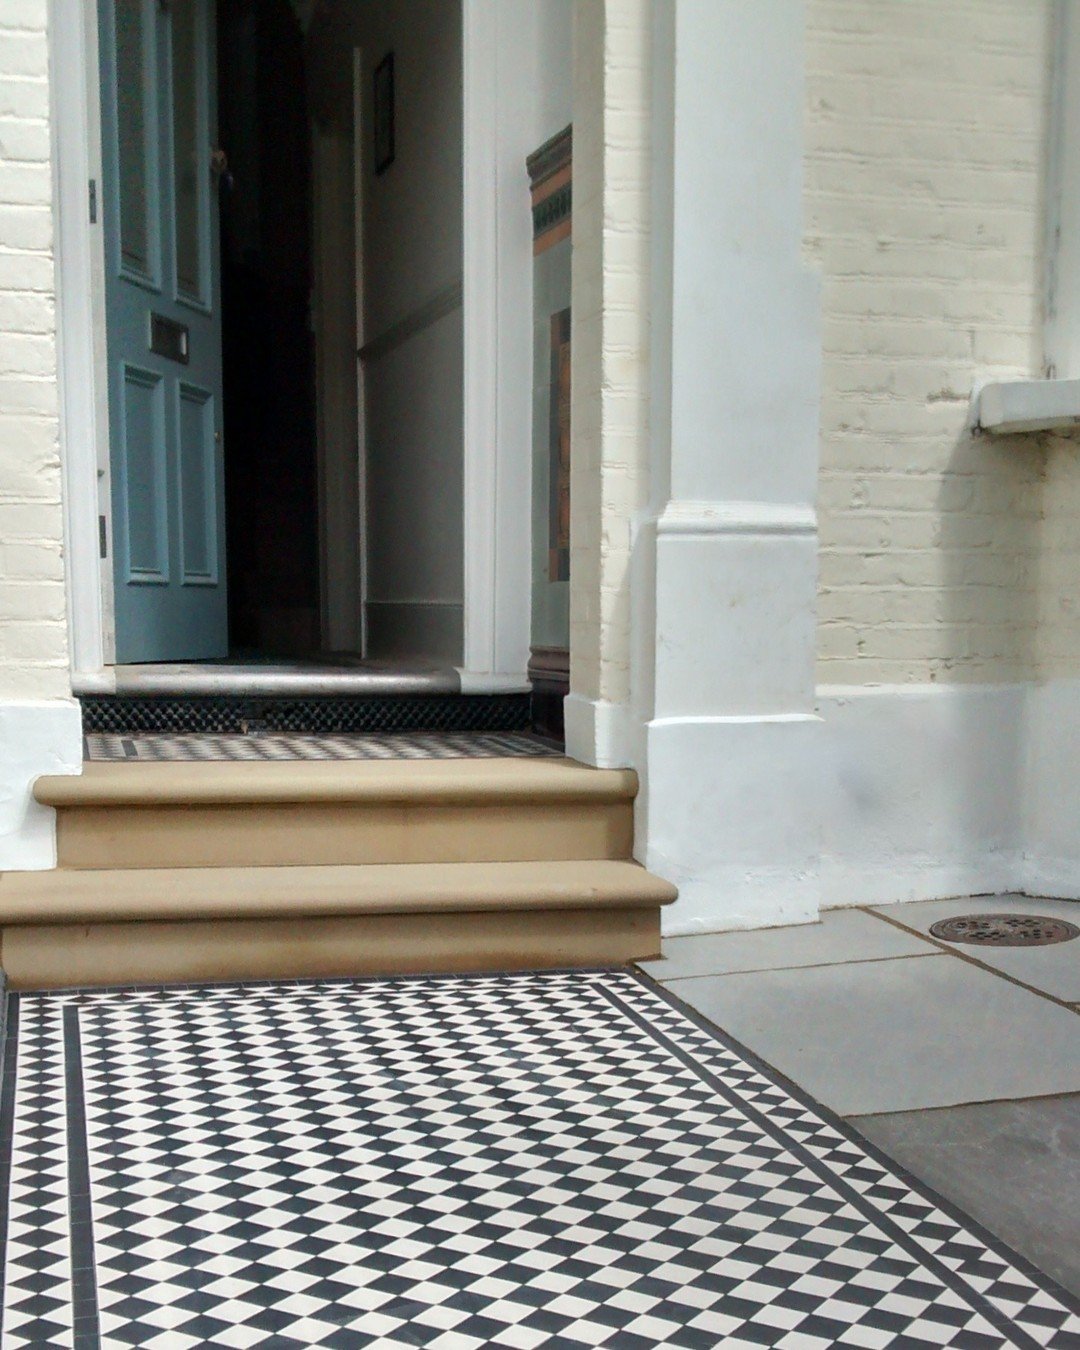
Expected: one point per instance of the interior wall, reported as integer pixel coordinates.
(334, 321)
(553, 51)
(411, 322)
(553, 110)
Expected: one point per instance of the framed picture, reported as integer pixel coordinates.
(383, 117)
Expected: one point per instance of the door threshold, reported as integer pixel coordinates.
(342, 677)
(278, 679)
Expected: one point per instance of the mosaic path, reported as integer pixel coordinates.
(400, 745)
(557, 1160)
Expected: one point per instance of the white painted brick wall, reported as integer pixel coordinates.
(610, 334)
(1059, 571)
(33, 628)
(925, 142)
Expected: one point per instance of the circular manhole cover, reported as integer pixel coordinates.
(1005, 930)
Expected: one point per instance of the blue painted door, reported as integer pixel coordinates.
(160, 204)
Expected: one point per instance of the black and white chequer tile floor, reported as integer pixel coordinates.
(562, 1160)
(157, 747)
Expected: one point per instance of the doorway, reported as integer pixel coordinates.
(266, 205)
(284, 329)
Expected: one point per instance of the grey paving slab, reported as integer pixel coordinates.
(842, 935)
(1013, 1166)
(897, 1035)
(1054, 969)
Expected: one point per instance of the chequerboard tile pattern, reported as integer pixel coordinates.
(1014, 1292)
(556, 1160)
(37, 1247)
(411, 745)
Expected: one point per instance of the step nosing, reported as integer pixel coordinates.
(263, 783)
(175, 894)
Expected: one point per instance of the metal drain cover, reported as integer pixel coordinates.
(1005, 930)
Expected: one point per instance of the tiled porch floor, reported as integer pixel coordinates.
(158, 747)
(963, 1063)
(561, 1160)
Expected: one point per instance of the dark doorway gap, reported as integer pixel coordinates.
(267, 253)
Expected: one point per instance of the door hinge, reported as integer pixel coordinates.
(93, 201)
(103, 536)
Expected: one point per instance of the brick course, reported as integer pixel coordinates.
(33, 629)
(611, 333)
(926, 130)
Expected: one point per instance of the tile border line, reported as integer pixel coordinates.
(84, 1300)
(8, 1096)
(976, 1301)
(990, 1240)
(90, 993)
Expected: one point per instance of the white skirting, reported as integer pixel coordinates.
(890, 794)
(934, 791)
(1051, 861)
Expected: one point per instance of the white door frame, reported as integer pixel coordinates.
(81, 334)
(337, 212)
(497, 335)
(497, 323)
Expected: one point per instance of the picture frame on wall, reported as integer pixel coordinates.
(383, 115)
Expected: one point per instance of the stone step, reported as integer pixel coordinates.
(294, 813)
(73, 928)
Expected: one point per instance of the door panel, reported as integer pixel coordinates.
(164, 328)
(143, 543)
(190, 133)
(136, 81)
(198, 489)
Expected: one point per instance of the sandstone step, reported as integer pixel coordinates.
(297, 813)
(64, 928)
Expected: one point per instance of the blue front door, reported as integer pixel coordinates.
(160, 206)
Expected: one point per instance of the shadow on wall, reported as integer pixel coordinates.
(988, 529)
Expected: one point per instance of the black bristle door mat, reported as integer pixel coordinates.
(219, 715)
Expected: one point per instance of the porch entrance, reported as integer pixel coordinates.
(281, 197)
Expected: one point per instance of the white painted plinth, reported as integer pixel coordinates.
(923, 789)
(35, 738)
(1051, 862)
(730, 816)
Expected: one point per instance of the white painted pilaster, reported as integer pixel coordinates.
(729, 750)
(499, 98)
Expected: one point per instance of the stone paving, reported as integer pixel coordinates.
(961, 1062)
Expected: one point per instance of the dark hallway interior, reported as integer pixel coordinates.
(268, 343)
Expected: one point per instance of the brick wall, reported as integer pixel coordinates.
(33, 632)
(925, 143)
(610, 333)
